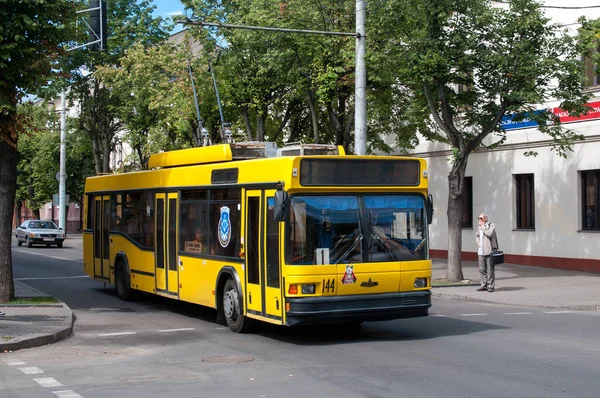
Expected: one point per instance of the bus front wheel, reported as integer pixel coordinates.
(232, 308)
(122, 285)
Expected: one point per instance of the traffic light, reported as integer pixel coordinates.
(99, 30)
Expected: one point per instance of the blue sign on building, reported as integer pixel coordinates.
(509, 123)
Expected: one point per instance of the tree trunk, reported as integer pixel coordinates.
(313, 115)
(247, 123)
(456, 179)
(8, 187)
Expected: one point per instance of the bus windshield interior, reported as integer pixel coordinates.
(333, 229)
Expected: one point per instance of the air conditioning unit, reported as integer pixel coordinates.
(299, 149)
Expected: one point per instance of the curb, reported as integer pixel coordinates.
(38, 341)
(462, 297)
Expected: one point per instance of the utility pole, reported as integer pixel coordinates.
(360, 85)
(360, 108)
(62, 176)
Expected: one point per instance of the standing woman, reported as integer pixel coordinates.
(486, 242)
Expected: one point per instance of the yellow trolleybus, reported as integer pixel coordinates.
(290, 236)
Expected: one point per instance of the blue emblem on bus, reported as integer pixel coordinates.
(224, 231)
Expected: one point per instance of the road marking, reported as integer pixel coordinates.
(45, 255)
(31, 371)
(176, 330)
(15, 363)
(517, 313)
(439, 315)
(557, 312)
(66, 394)
(116, 334)
(474, 314)
(52, 277)
(48, 382)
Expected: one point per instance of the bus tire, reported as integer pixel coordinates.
(232, 308)
(122, 284)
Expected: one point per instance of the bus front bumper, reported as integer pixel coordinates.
(359, 308)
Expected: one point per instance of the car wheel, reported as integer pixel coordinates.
(28, 242)
(19, 243)
(232, 309)
(59, 245)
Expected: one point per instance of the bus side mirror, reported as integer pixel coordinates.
(280, 206)
(429, 209)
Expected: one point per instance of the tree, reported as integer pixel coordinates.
(280, 78)
(129, 22)
(155, 98)
(29, 50)
(508, 58)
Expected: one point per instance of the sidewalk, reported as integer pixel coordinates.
(522, 285)
(25, 326)
(31, 326)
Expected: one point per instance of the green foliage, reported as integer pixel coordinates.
(39, 146)
(155, 98)
(129, 22)
(507, 59)
(30, 46)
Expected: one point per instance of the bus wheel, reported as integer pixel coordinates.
(232, 308)
(122, 285)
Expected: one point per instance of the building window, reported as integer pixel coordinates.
(525, 201)
(590, 182)
(591, 78)
(467, 218)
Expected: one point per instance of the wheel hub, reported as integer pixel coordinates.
(230, 304)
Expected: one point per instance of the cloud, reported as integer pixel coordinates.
(174, 13)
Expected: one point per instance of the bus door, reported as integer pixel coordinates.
(263, 275)
(166, 267)
(101, 217)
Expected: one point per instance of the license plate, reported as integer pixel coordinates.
(48, 239)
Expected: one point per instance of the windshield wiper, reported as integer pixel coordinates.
(345, 254)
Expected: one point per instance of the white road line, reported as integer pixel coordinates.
(52, 277)
(45, 255)
(31, 371)
(517, 313)
(15, 363)
(439, 315)
(557, 312)
(116, 334)
(473, 314)
(48, 382)
(66, 394)
(176, 330)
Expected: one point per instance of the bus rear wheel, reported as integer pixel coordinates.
(232, 308)
(122, 285)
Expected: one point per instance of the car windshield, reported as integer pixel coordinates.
(352, 228)
(42, 225)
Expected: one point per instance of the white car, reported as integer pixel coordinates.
(39, 232)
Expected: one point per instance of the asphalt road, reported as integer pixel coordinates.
(160, 348)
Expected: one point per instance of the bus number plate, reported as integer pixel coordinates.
(328, 286)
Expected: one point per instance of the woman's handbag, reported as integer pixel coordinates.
(497, 257)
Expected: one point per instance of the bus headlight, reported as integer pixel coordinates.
(420, 283)
(308, 289)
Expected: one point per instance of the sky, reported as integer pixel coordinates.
(168, 8)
